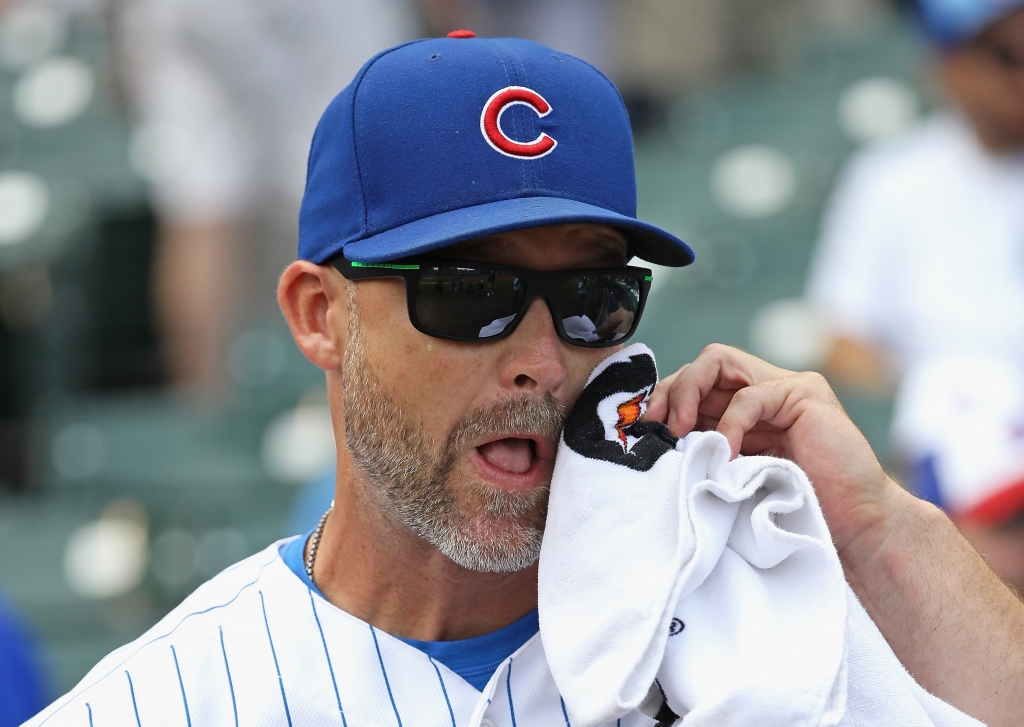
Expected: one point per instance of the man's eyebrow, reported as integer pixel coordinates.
(607, 250)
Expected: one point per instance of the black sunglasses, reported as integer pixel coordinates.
(473, 301)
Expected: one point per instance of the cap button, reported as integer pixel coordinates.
(462, 34)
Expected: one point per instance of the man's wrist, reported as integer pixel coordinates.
(886, 564)
(875, 557)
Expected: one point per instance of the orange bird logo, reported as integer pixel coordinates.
(629, 413)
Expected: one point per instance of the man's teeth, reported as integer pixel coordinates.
(511, 454)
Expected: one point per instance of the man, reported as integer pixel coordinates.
(920, 261)
(468, 218)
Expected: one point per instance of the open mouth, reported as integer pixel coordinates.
(518, 456)
(511, 454)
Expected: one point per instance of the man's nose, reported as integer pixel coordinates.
(535, 359)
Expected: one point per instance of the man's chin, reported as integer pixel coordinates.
(494, 557)
(503, 532)
(496, 543)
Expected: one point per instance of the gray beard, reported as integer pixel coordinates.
(492, 530)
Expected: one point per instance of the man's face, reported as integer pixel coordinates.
(457, 440)
(987, 78)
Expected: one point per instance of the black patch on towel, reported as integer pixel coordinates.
(585, 432)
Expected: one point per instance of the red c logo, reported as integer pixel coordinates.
(490, 123)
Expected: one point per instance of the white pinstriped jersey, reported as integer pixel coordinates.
(254, 646)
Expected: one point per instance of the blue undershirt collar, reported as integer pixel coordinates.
(475, 660)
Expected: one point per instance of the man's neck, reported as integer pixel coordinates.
(372, 566)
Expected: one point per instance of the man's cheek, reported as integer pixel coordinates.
(578, 379)
(429, 400)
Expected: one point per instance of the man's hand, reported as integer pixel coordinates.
(955, 626)
(762, 409)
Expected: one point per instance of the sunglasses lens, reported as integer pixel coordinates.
(467, 303)
(599, 309)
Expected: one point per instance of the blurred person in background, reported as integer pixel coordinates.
(22, 691)
(587, 29)
(960, 424)
(228, 92)
(922, 262)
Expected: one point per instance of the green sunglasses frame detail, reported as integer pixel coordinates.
(537, 284)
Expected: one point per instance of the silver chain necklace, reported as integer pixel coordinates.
(314, 542)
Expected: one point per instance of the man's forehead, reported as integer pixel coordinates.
(575, 245)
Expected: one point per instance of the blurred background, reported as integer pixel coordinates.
(849, 172)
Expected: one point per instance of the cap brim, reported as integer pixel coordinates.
(416, 238)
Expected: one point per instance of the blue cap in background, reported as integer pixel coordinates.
(952, 22)
(448, 139)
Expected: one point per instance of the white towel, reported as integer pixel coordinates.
(667, 569)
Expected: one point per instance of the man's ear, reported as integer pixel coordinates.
(312, 298)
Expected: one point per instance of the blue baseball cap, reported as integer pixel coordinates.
(952, 22)
(448, 139)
